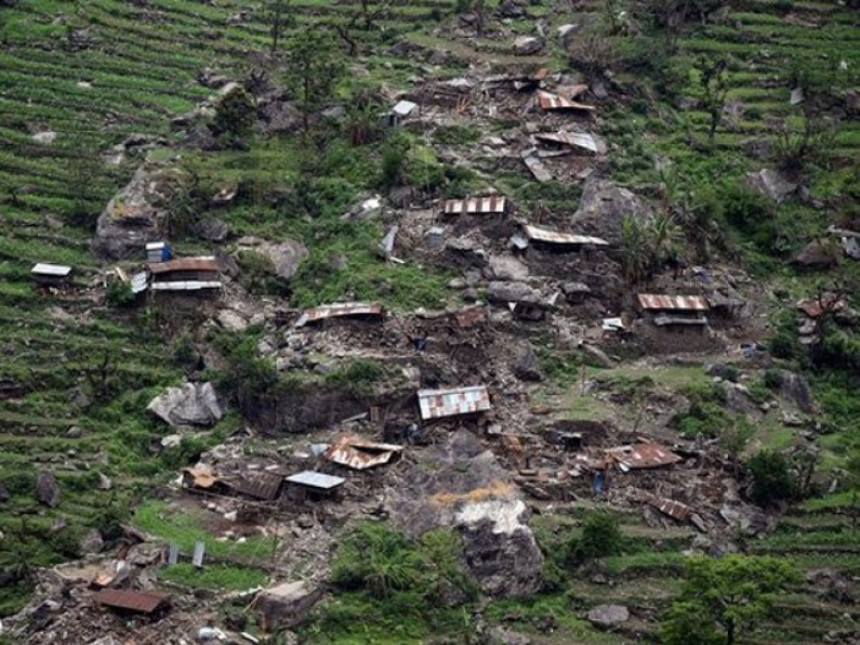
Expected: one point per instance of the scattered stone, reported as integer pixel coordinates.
(596, 354)
(305, 521)
(507, 267)
(105, 482)
(45, 137)
(606, 616)
(75, 432)
(232, 320)
(815, 256)
(193, 404)
(171, 440)
(47, 489)
(527, 45)
(769, 183)
(212, 229)
(285, 605)
(525, 366)
(498, 635)
(92, 542)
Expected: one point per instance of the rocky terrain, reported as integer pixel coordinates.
(430, 322)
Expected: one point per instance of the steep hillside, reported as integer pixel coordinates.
(706, 150)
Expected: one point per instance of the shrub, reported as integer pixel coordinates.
(234, 118)
(601, 536)
(773, 379)
(119, 294)
(772, 480)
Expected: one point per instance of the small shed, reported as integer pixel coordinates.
(680, 314)
(46, 275)
(158, 252)
(310, 484)
(186, 275)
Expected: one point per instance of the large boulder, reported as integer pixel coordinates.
(769, 183)
(504, 292)
(285, 256)
(137, 213)
(795, 388)
(525, 365)
(815, 256)
(285, 605)
(527, 45)
(189, 404)
(603, 207)
(47, 489)
(606, 616)
(507, 267)
(461, 485)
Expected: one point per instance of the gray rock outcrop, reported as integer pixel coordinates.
(606, 616)
(136, 214)
(47, 489)
(462, 486)
(603, 207)
(285, 256)
(189, 404)
(769, 183)
(527, 45)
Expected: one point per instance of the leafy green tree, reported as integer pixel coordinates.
(723, 599)
(601, 536)
(314, 69)
(734, 438)
(714, 86)
(772, 479)
(634, 250)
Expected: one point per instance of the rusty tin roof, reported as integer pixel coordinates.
(261, 485)
(454, 401)
(553, 237)
(678, 303)
(340, 310)
(552, 102)
(142, 601)
(475, 205)
(360, 454)
(642, 455)
(208, 263)
(670, 507)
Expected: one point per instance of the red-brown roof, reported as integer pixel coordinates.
(676, 303)
(142, 601)
(185, 264)
(642, 455)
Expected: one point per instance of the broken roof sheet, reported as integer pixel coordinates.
(360, 454)
(537, 168)
(454, 401)
(313, 479)
(552, 102)
(142, 601)
(473, 205)
(661, 320)
(642, 455)
(139, 282)
(404, 108)
(670, 507)
(552, 237)
(207, 263)
(53, 270)
(582, 140)
(340, 310)
(679, 303)
(262, 485)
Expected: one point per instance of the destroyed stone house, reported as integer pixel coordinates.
(199, 275)
(676, 314)
(366, 311)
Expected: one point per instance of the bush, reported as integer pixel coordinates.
(119, 294)
(601, 536)
(773, 379)
(772, 480)
(234, 119)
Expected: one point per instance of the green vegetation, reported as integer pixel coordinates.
(772, 481)
(724, 599)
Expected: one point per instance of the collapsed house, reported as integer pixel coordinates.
(573, 140)
(198, 274)
(360, 454)
(51, 276)
(140, 602)
(368, 311)
(553, 103)
(678, 314)
(545, 239)
(492, 205)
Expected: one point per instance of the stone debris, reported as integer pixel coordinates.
(608, 616)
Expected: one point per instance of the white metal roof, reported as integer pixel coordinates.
(554, 237)
(453, 401)
(155, 246)
(185, 285)
(44, 268)
(404, 108)
(316, 480)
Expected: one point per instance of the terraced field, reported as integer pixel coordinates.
(78, 78)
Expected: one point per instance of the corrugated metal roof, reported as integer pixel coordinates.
(642, 455)
(208, 263)
(142, 601)
(553, 237)
(473, 205)
(552, 102)
(262, 485)
(314, 479)
(679, 303)
(450, 402)
(53, 270)
(185, 285)
(340, 310)
(574, 139)
(360, 454)
(670, 507)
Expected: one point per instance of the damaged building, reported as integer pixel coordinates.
(365, 311)
(186, 275)
(675, 314)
